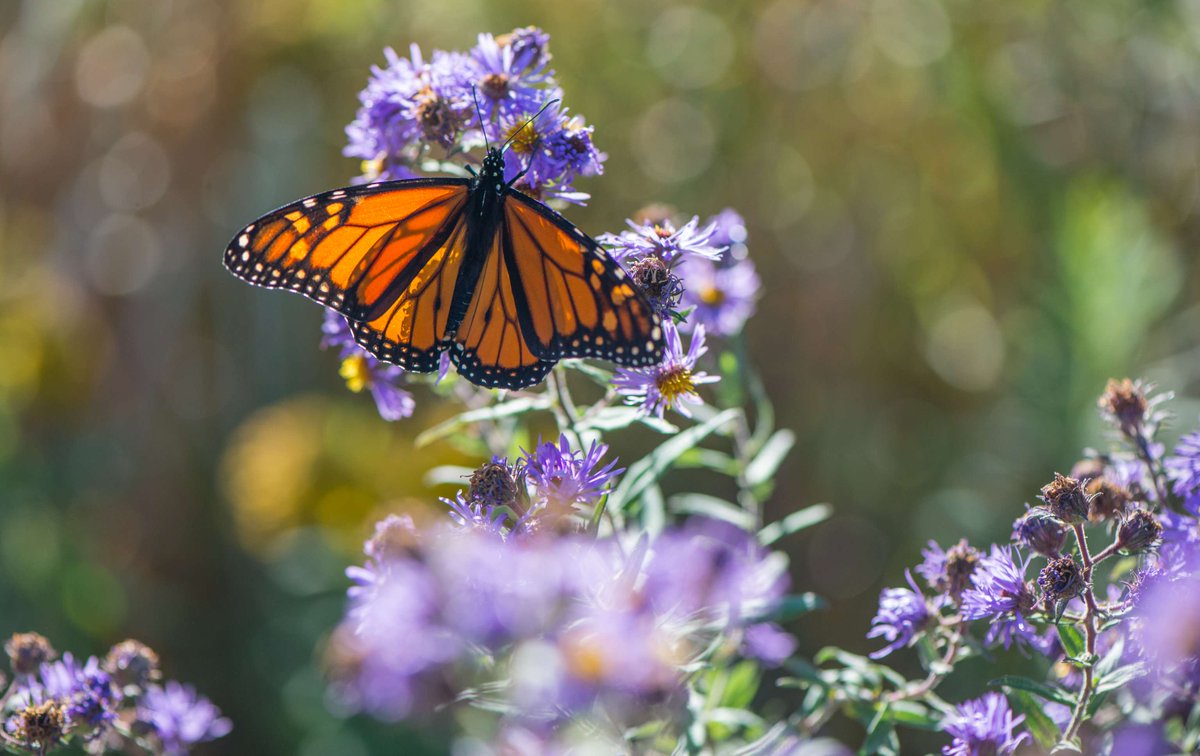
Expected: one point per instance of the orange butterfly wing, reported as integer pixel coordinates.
(573, 300)
(371, 253)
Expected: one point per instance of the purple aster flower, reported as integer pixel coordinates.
(1184, 469)
(506, 79)
(949, 571)
(565, 478)
(903, 614)
(477, 516)
(983, 727)
(999, 593)
(1166, 630)
(723, 296)
(672, 383)
(530, 46)
(407, 104)
(361, 370)
(1181, 541)
(86, 690)
(663, 240)
(180, 718)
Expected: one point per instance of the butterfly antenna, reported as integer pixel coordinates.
(482, 125)
(531, 119)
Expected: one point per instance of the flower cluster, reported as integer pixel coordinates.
(415, 108)
(112, 704)
(548, 628)
(1135, 631)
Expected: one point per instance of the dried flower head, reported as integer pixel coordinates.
(27, 652)
(132, 664)
(1061, 580)
(662, 287)
(496, 483)
(1066, 499)
(1106, 500)
(1124, 403)
(1139, 531)
(39, 726)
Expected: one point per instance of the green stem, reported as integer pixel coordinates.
(1089, 624)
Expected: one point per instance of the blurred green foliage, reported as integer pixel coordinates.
(967, 216)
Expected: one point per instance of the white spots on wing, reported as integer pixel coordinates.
(310, 202)
(243, 240)
(656, 334)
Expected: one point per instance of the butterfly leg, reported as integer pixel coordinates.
(517, 178)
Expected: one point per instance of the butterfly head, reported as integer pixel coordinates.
(493, 164)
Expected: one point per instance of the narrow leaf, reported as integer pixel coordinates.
(764, 466)
(794, 523)
(1048, 692)
(1072, 640)
(711, 506)
(1039, 724)
(510, 408)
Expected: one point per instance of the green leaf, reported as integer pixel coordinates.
(1048, 692)
(447, 475)
(793, 606)
(647, 471)
(1120, 677)
(597, 374)
(1064, 747)
(510, 408)
(709, 459)
(794, 523)
(1094, 703)
(881, 735)
(711, 506)
(1072, 640)
(913, 714)
(764, 466)
(1039, 724)
(741, 684)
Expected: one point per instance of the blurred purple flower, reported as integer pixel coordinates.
(903, 614)
(768, 643)
(1183, 468)
(361, 370)
(664, 241)
(181, 718)
(723, 296)
(565, 478)
(983, 727)
(1166, 630)
(85, 691)
(729, 231)
(1142, 740)
(672, 383)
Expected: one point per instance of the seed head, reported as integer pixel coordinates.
(1124, 403)
(132, 664)
(1106, 500)
(1139, 531)
(1060, 581)
(27, 652)
(1040, 532)
(1066, 499)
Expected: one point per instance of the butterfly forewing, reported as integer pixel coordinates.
(350, 249)
(573, 299)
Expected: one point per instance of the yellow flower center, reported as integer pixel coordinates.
(663, 232)
(711, 295)
(354, 369)
(523, 137)
(674, 384)
(372, 168)
(585, 658)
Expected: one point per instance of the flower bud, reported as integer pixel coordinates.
(961, 559)
(132, 664)
(1139, 531)
(28, 651)
(1060, 580)
(1066, 499)
(1040, 532)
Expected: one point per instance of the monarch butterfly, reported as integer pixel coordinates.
(473, 266)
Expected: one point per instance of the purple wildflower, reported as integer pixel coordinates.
(903, 614)
(949, 572)
(551, 150)
(508, 80)
(1167, 627)
(768, 643)
(723, 296)
(86, 691)
(180, 718)
(672, 383)
(729, 232)
(999, 593)
(1184, 469)
(361, 370)
(664, 241)
(983, 726)
(407, 104)
(565, 478)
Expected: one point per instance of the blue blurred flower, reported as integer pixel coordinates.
(983, 727)
(181, 718)
(565, 478)
(903, 614)
(1184, 469)
(361, 370)
(673, 382)
(723, 295)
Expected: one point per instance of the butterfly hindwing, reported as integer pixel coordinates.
(491, 347)
(572, 298)
(350, 249)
